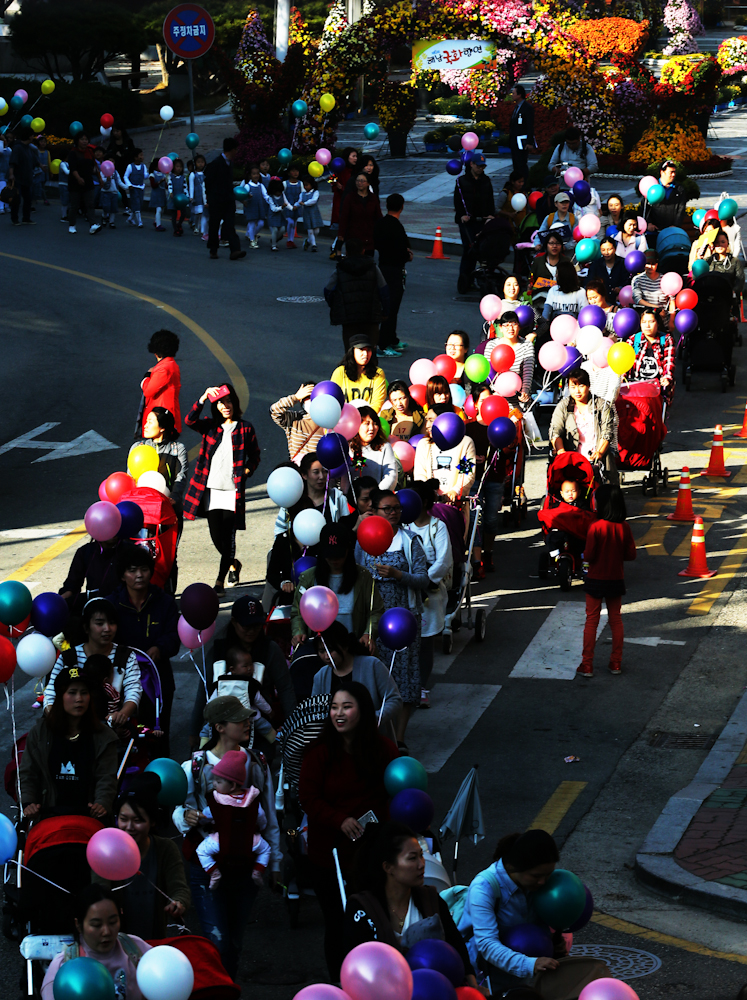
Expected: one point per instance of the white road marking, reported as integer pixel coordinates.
(654, 640)
(442, 661)
(434, 735)
(555, 651)
(84, 444)
(33, 534)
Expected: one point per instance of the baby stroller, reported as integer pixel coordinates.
(564, 526)
(160, 533)
(673, 248)
(709, 347)
(514, 498)
(491, 247)
(641, 410)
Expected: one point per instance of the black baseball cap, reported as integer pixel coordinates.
(335, 540)
(248, 611)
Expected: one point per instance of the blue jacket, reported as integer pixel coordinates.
(618, 278)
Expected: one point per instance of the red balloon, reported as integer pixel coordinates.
(577, 234)
(686, 299)
(116, 485)
(470, 410)
(15, 631)
(468, 993)
(375, 535)
(533, 198)
(710, 214)
(502, 357)
(418, 394)
(446, 366)
(493, 407)
(107, 121)
(7, 659)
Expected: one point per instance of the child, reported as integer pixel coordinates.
(135, 177)
(62, 181)
(311, 214)
(235, 676)
(177, 185)
(109, 198)
(98, 158)
(264, 172)
(293, 191)
(609, 543)
(278, 207)
(41, 173)
(235, 829)
(4, 162)
(570, 493)
(157, 193)
(255, 207)
(197, 196)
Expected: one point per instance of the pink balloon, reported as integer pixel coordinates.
(607, 989)
(564, 328)
(103, 520)
(573, 175)
(321, 991)
(552, 356)
(470, 140)
(642, 224)
(102, 493)
(599, 357)
(191, 637)
(319, 608)
(369, 966)
(590, 225)
(490, 307)
(507, 384)
(107, 168)
(322, 156)
(22, 94)
(421, 371)
(349, 422)
(113, 855)
(405, 453)
(577, 234)
(625, 295)
(645, 183)
(671, 283)
(165, 165)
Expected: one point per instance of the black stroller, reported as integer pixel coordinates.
(709, 347)
(491, 247)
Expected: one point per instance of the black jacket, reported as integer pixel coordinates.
(522, 124)
(670, 212)
(219, 181)
(95, 566)
(155, 624)
(618, 278)
(390, 239)
(356, 298)
(473, 196)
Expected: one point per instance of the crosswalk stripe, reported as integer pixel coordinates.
(555, 651)
(434, 735)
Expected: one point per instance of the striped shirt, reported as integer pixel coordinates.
(648, 290)
(524, 363)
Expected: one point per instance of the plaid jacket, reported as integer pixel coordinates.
(245, 460)
(663, 351)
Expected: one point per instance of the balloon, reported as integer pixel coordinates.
(326, 102)
(76, 128)
(165, 973)
(331, 451)
(371, 130)
(325, 411)
(16, 103)
(476, 368)
(611, 231)
(142, 459)
(7, 661)
(699, 268)
(132, 518)
(83, 979)
(599, 357)
(551, 356)
(621, 358)
(428, 984)
(518, 202)
(586, 915)
(447, 431)
(154, 481)
(47, 87)
(507, 384)
(337, 165)
(106, 121)
(528, 939)
(655, 194)
(173, 782)
(284, 155)
(501, 358)
(36, 654)
(328, 388)
(398, 627)
(561, 900)
(49, 613)
(607, 989)
(165, 165)
(166, 113)
(375, 535)
(582, 193)
(349, 423)
(107, 168)
(307, 526)
(199, 605)
(493, 407)
(490, 307)
(319, 606)
(25, 122)
(635, 262)
(301, 565)
(106, 132)
(468, 993)
(411, 806)
(671, 283)
(38, 125)
(22, 94)
(470, 141)
(8, 839)
(625, 323)
(453, 167)
(406, 455)
(323, 156)
(418, 393)
(405, 772)
(445, 366)
(116, 485)
(687, 299)
(194, 638)
(573, 175)
(589, 225)
(437, 955)
(15, 602)
(103, 520)
(588, 339)
(587, 250)
(299, 109)
(525, 316)
(501, 432)
(181, 201)
(315, 169)
(577, 234)
(563, 329)
(192, 140)
(698, 217)
(113, 854)
(572, 360)
(369, 965)
(458, 395)
(625, 295)
(592, 316)
(4, 108)
(421, 371)
(727, 210)
(321, 991)
(685, 321)
(645, 183)
(642, 224)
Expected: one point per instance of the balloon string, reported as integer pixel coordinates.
(15, 737)
(199, 672)
(326, 649)
(326, 493)
(12, 861)
(381, 710)
(158, 142)
(204, 664)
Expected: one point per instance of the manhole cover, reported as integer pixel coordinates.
(682, 741)
(624, 963)
(302, 299)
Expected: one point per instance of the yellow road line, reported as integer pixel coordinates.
(553, 811)
(615, 924)
(713, 588)
(653, 540)
(41, 560)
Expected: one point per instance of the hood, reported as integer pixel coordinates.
(356, 266)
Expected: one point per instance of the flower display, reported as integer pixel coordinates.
(396, 106)
(255, 57)
(683, 24)
(670, 138)
(603, 36)
(732, 54)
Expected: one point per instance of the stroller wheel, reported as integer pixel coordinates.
(644, 485)
(294, 911)
(481, 624)
(543, 570)
(565, 572)
(447, 642)
(732, 374)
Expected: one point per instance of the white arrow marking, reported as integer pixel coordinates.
(654, 640)
(85, 444)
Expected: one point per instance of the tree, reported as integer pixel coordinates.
(74, 36)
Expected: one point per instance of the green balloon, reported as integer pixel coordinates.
(405, 772)
(700, 267)
(240, 193)
(192, 140)
(173, 782)
(83, 979)
(284, 155)
(15, 602)
(181, 200)
(477, 368)
(587, 249)
(561, 900)
(75, 128)
(655, 194)
(727, 209)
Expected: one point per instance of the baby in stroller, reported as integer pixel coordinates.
(565, 516)
(491, 247)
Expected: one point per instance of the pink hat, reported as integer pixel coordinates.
(232, 767)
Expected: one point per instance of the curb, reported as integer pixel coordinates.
(655, 865)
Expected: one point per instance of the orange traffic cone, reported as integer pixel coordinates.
(438, 247)
(684, 509)
(716, 465)
(697, 565)
(743, 432)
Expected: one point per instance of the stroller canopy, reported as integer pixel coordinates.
(673, 247)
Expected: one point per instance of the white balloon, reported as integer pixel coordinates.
(165, 973)
(307, 526)
(36, 654)
(166, 113)
(106, 132)
(156, 481)
(285, 487)
(358, 403)
(458, 395)
(518, 202)
(325, 411)
(589, 339)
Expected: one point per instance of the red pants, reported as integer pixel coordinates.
(593, 610)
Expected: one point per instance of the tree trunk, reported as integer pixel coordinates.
(135, 70)
(162, 50)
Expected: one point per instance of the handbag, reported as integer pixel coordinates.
(9, 194)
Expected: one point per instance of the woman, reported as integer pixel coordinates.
(603, 381)
(229, 454)
(161, 385)
(703, 243)
(654, 354)
(523, 365)
(359, 214)
(562, 218)
(159, 432)
(629, 239)
(405, 417)
(69, 766)
(501, 897)
(346, 658)
(437, 391)
(350, 156)
(610, 268)
(390, 895)
(545, 268)
(454, 468)
(722, 261)
(342, 778)
(329, 501)
(511, 294)
(584, 423)
(224, 911)
(567, 296)
(80, 184)
(613, 212)
(596, 295)
(370, 452)
(360, 602)
(98, 921)
(367, 165)
(100, 622)
(457, 348)
(359, 376)
(359, 498)
(401, 574)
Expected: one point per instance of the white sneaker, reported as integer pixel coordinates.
(94, 229)
(72, 229)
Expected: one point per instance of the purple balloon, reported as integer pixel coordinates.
(415, 439)
(447, 431)
(635, 262)
(199, 606)
(625, 323)
(438, 955)
(525, 315)
(49, 613)
(328, 388)
(581, 193)
(529, 940)
(501, 432)
(592, 316)
(301, 565)
(331, 450)
(572, 360)
(686, 321)
(412, 807)
(398, 628)
(428, 984)
(453, 167)
(586, 915)
(412, 505)
(337, 165)
(133, 518)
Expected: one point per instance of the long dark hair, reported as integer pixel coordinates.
(56, 717)
(427, 491)
(337, 637)
(236, 415)
(349, 571)
(351, 365)
(373, 177)
(522, 851)
(346, 153)
(398, 385)
(367, 745)
(567, 278)
(380, 844)
(611, 503)
(166, 422)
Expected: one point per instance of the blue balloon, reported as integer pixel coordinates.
(415, 439)
(75, 128)
(573, 360)
(453, 167)
(301, 565)
(625, 323)
(284, 156)
(16, 103)
(581, 193)
(437, 955)
(331, 450)
(635, 262)
(592, 316)
(299, 108)
(529, 940)
(26, 121)
(447, 431)
(404, 772)
(371, 130)
(83, 979)
(525, 316)
(337, 165)
(132, 518)
(427, 984)
(49, 614)
(173, 156)
(685, 321)
(412, 505)
(398, 628)
(413, 808)
(611, 231)
(501, 432)
(8, 839)
(328, 388)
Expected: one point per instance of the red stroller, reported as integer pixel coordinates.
(565, 526)
(641, 410)
(160, 533)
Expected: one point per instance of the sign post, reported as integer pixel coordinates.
(189, 32)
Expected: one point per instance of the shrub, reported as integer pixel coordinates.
(83, 102)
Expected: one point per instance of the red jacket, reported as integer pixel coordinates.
(358, 218)
(161, 388)
(608, 546)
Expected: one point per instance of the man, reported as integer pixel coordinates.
(670, 211)
(574, 152)
(546, 203)
(357, 295)
(222, 202)
(23, 161)
(647, 291)
(474, 204)
(390, 239)
(521, 130)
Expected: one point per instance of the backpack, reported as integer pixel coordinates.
(638, 341)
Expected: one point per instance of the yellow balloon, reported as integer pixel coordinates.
(54, 166)
(621, 358)
(38, 125)
(327, 102)
(315, 169)
(142, 459)
(47, 87)
(3, 107)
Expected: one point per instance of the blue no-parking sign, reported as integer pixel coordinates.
(189, 31)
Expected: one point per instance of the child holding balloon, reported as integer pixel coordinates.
(196, 185)
(135, 177)
(256, 205)
(177, 187)
(312, 217)
(157, 193)
(293, 189)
